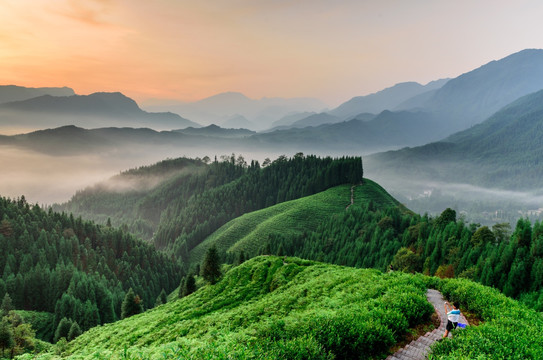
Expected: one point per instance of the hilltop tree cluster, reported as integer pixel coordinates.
(196, 197)
(190, 222)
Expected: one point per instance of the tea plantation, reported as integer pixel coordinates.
(268, 309)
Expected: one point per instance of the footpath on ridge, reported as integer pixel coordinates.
(419, 349)
(352, 197)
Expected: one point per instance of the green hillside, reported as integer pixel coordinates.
(250, 232)
(268, 309)
(191, 199)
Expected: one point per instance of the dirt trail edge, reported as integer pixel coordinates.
(352, 197)
(419, 349)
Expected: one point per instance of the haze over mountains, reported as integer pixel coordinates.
(221, 108)
(430, 113)
(503, 151)
(90, 111)
(387, 99)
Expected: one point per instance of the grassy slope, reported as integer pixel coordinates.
(268, 309)
(249, 231)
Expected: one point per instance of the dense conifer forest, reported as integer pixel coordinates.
(56, 263)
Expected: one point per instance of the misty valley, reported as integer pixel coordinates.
(235, 228)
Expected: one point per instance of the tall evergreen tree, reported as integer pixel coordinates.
(162, 298)
(181, 292)
(63, 329)
(190, 285)
(132, 305)
(7, 305)
(241, 257)
(74, 332)
(211, 266)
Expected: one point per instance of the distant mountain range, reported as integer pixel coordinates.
(219, 108)
(238, 122)
(432, 113)
(387, 99)
(218, 132)
(89, 111)
(10, 93)
(505, 151)
(417, 114)
(384, 131)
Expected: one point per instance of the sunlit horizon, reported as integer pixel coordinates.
(188, 51)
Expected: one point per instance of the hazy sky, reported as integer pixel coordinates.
(187, 50)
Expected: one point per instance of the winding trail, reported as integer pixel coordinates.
(419, 349)
(352, 197)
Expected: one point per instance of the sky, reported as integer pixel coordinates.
(189, 50)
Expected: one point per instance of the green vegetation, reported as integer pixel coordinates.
(369, 236)
(191, 204)
(72, 268)
(41, 322)
(509, 329)
(268, 309)
(291, 218)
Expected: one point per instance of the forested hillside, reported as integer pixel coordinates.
(371, 236)
(183, 210)
(249, 234)
(57, 263)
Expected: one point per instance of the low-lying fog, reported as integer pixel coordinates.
(474, 203)
(47, 179)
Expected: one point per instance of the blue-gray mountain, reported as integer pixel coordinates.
(387, 99)
(260, 112)
(505, 151)
(433, 112)
(10, 93)
(89, 111)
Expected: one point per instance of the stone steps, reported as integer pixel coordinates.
(419, 349)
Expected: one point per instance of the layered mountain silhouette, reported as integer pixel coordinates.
(432, 113)
(217, 131)
(382, 132)
(474, 96)
(261, 112)
(238, 122)
(387, 99)
(89, 111)
(10, 93)
(505, 151)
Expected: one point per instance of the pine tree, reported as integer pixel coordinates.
(74, 332)
(131, 305)
(162, 298)
(190, 285)
(211, 267)
(63, 329)
(182, 285)
(241, 258)
(7, 305)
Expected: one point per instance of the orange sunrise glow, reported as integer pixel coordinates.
(186, 50)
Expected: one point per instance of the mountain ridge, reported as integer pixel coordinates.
(92, 110)
(502, 151)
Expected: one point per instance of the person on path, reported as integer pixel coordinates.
(453, 314)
